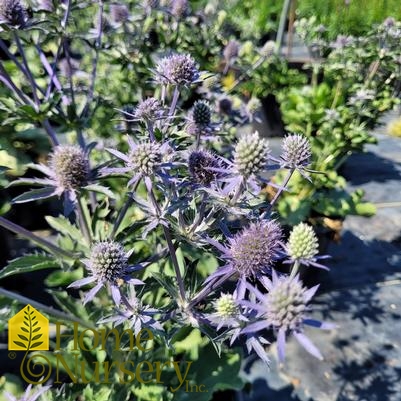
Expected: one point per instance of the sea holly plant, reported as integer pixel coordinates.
(165, 226)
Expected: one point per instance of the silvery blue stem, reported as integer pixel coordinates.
(83, 223)
(294, 269)
(28, 71)
(149, 126)
(16, 229)
(16, 62)
(6, 79)
(279, 192)
(174, 101)
(50, 131)
(171, 248)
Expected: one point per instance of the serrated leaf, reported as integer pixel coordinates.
(28, 263)
(35, 194)
(63, 225)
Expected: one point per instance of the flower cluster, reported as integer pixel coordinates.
(186, 234)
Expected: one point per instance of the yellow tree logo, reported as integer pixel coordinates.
(28, 330)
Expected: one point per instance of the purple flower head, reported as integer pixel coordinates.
(68, 173)
(178, 70)
(250, 253)
(227, 312)
(144, 160)
(145, 157)
(201, 113)
(203, 167)
(70, 165)
(284, 308)
(179, 8)
(148, 110)
(296, 152)
(13, 13)
(107, 265)
(251, 155)
(255, 249)
(251, 158)
(119, 13)
(303, 246)
(231, 50)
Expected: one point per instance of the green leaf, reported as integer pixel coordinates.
(218, 373)
(35, 194)
(63, 225)
(191, 343)
(101, 189)
(28, 263)
(59, 278)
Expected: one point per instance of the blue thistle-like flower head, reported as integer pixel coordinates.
(108, 266)
(284, 308)
(285, 304)
(231, 50)
(148, 110)
(119, 13)
(108, 261)
(201, 113)
(302, 243)
(145, 157)
(251, 155)
(13, 13)
(202, 165)
(178, 69)
(255, 249)
(296, 152)
(70, 166)
(226, 306)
